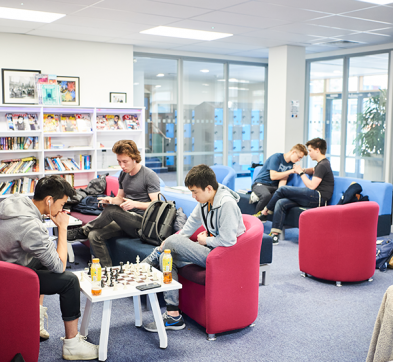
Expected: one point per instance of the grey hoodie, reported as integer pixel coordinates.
(224, 220)
(24, 236)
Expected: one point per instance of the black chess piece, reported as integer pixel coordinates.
(121, 268)
(111, 284)
(102, 283)
(89, 265)
(116, 276)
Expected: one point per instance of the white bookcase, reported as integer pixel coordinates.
(98, 144)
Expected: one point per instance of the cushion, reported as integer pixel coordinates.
(194, 273)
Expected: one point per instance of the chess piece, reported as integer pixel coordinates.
(111, 284)
(82, 280)
(116, 275)
(115, 288)
(89, 265)
(102, 283)
(155, 276)
(137, 261)
(128, 265)
(121, 268)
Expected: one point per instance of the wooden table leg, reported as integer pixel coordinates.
(105, 323)
(155, 306)
(86, 318)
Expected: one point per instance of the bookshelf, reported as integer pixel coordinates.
(97, 144)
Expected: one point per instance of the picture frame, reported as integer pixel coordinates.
(69, 90)
(19, 86)
(116, 97)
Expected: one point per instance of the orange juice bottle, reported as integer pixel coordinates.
(96, 277)
(167, 266)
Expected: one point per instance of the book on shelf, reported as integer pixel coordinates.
(84, 123)
(68, 123)
(21, 122)
(23, 185)
(51, 123)
(18, 143)
(60, 163)
(20, 165)
(33, 122)
(114, 122)
(10, 122)
(131, 121)
(178, 189)
(101, 123)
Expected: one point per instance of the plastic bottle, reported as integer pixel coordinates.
(96, 277)
(167, 266)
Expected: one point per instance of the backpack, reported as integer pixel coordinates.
(352, 194)
(384, 254)
(157, 222)
(89, 205)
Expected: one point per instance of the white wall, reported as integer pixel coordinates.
(101, 67)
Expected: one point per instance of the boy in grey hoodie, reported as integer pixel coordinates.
(25, 241)
(218, 212)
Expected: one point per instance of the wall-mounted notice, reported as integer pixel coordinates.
(294, 109)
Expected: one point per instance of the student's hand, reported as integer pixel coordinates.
(297, 168)
(104, 200)
(201, 238)
(162, 246)
(60, 220)
(127, 204)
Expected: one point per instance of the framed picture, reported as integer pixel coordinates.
(69, 90)
(19, 86)
(117, 97)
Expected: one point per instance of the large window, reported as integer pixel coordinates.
(359, 127)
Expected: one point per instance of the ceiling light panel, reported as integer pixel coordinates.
(185, 33)
(29, 15)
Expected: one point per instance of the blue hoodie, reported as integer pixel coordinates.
(224, 220)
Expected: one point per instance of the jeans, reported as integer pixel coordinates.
(65, 284)
(287, 197)
(265, 193)
(113, 222)
(184, 251)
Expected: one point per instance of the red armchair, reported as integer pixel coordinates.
(224, 296)
(338, 242)
(19, 313)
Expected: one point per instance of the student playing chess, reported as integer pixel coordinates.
(25, 241)
(218, 212)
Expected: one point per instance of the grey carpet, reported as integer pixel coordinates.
(300, 319)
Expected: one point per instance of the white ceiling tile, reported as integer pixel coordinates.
(58, 28)
(11, 29)
(234, 46)
(320, 49)
(207, 4)
(310, 29)
(145, 44)
(72, 36)
(163, 39)
(275, 11)
(153, 7)
(258, 53)
(368, 38)
(210, 26)
(80, 2)
(118, 15)
(279, 35)
(202, 49)
(43, 5)
(378, 13)
(222, 17)
(345, 22)
(330, 6)
(385, 31)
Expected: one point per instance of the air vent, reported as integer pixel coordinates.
(338, 42)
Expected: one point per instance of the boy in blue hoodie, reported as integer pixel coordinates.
(218, 212)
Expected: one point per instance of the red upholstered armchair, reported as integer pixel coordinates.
(19, 313)
(224, 296)
(338, 242)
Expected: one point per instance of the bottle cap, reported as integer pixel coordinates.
(96, 260)
(167, 251)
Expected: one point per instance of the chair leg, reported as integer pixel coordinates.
(211, 337)
(338, 284)
(304, 275)
(371, 279)
(264, 272)
(252, 325)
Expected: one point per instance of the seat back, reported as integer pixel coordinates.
(225, 175)
(19, 313)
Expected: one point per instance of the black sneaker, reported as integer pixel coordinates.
(275, 238)
(263, 218)
(174, 323)
(76, 234)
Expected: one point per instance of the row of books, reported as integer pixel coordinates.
(20, 165)
(67, 123)
(23, 185)
(112, 122)
(60, 163)
(18, 143)
(22, 122)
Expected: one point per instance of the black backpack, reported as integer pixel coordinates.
(157, 222)
(384, 253)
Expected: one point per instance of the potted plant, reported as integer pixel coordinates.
(370, 140)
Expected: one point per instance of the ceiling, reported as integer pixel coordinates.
(318, 25)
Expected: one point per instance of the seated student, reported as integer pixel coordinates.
(317, 192)
(123, 214)
(25, 241)
(274, 174)
(218, 212)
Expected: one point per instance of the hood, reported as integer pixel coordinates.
(223, 192)
(18, 206)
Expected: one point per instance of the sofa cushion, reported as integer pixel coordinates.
(194, 273)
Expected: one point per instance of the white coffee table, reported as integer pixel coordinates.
(73, 221)
(108, 294)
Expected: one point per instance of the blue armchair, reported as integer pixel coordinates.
(225, 175)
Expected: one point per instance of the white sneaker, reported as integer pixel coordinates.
(43, 333)
(78, 348)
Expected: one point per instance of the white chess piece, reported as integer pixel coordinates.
(137, 260)
(155, 276)
(115, 288)
(128, 265)
(82, 279)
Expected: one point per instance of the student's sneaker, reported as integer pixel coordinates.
(43, 333)
(76, 234)
(154, 258)
(258, 214)
(174, 323)
(253, 198)
(275, 238)
(78, 348)
(262, 217)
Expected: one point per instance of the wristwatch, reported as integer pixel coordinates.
(301, 174)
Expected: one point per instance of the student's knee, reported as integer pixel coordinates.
(95, 237)
(171, 241)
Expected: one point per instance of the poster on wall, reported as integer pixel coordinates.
(19, 86)
(115, 97)
(69, 90)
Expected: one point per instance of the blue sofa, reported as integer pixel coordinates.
(380, 192)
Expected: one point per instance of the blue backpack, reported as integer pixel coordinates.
(384, 253)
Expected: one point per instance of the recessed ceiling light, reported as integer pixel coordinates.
(185, 33)
(205, 84)
(160, 75)
(205, 70)
(158, 86)
(29, 15)
(379, 2)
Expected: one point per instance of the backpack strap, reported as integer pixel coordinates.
(148, 212)
(159, 216)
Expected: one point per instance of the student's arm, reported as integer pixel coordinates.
(309, 171)
(311, 184)
(193, 222)
(275, 175)
(61, 220)
(129, 204)
(282, 182)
